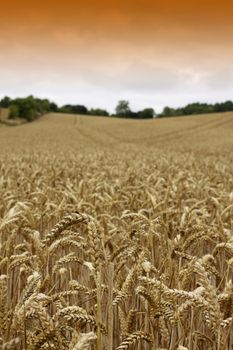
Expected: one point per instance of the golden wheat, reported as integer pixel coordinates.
(117, 234)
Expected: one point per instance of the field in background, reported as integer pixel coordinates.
(117, 234)
(206, 132)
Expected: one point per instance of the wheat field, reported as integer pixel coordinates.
(117, 234)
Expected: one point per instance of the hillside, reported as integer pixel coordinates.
(206, 132)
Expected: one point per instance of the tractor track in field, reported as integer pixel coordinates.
(95, 137)
(185, 132)
(103, 136)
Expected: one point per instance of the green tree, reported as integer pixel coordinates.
(168, 112)
(5, 102)
(74, 109)
(28, 108)
(99, 112)
(146, 113)
(123, 109)
(53, 107)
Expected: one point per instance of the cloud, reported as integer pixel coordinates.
(142, 77)
(140, 82)
(221, 79)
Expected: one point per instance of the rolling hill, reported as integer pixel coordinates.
(206, 132)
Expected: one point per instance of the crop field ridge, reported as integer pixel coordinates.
(117, 234)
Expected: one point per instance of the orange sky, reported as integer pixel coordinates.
(149, 51)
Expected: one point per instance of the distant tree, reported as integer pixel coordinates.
(224, 107)
(218, 107)
(123, 109)
(42, 105)
(168, 112)
(197, 108)
(53, 107)
(132, 115)
(29, 108)
(190, 109)
(5, 102)
(99, 112)
(74, 109)
(146, 113)
(64, 109)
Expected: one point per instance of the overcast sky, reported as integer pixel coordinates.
(152, 53)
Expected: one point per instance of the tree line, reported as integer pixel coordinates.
(28, 108)
(197, 108)
(31, 108)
